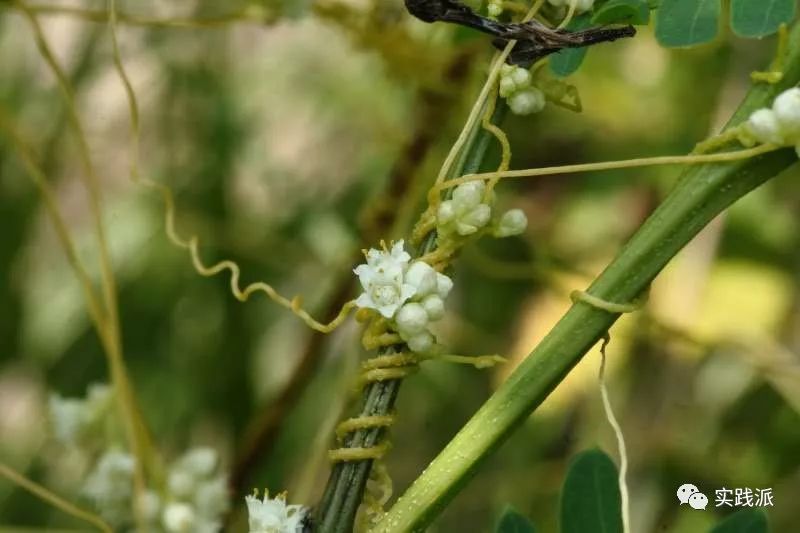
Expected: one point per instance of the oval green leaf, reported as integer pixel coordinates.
(568, 60)
(758, 18)
(635, 12)
(512, 521)
(744, 521)
(590, 500)
(687, 22)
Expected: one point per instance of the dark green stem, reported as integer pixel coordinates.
(345, 489)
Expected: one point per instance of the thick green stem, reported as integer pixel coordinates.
(700, 195)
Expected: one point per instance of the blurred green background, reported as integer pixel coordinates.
(297, 133)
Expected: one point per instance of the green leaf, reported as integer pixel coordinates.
(687, 22)
(758, 18)
(511, 521)
(622, 11)
(568, 60)
(590, 500)
(744, 521)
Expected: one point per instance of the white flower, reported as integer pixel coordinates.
(212, 498)
(411, 320)
(787, 112)
(200, 462)
(764, 126)
(530, 100)
(274, 516)
(382, 278)
(443, 285)
(109, 485)
(468, 195)
(178, 518)
(74, 418)
(513, 222)
(521, 77)
(421, 342)
(434, 306)
(474, 220)
(68, 417)
(423, 277)
(465, 213)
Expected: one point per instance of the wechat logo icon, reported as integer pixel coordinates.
(688, 493)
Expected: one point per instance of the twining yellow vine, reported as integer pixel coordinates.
(107, 318)
(724, 157)
(54, 499)
(192, 244)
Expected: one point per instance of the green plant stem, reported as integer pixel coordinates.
(345, 489)
(701, 194)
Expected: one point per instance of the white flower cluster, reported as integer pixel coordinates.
(197, 494)
(515, 86)
(272, 515)
(193, 502)
(581, 6)
(74, 420)
(110, 486)
(467, 211)
(411, 295)
(779, 125)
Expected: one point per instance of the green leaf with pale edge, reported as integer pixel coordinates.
(758, 18)
(590, 500)
(512, 521)
(744, 521)
(568, 60)
(622, 11)
(687, 22)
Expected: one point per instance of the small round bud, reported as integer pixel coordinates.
(443, 285)
(468, 195)
(434, 306)
(787, 111)
(181, 483)
(513, 222)
(411, 320)
(521, 77)
(474, 220)
(420, 343)
(446, 212)
(764, 126)
(422, 276)
(494, 9)
(507, 86)
(178, 518)
(525, 102)
(506, 69)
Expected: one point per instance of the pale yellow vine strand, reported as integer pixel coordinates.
(192, 243)
(570, 14)
(89, 175)
(480, 102)
(724, 157)
(260, 16)
(623, 453)
(110, 329)
(53, 499)
(502, 138)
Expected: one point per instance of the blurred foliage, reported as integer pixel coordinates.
(283, 141)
